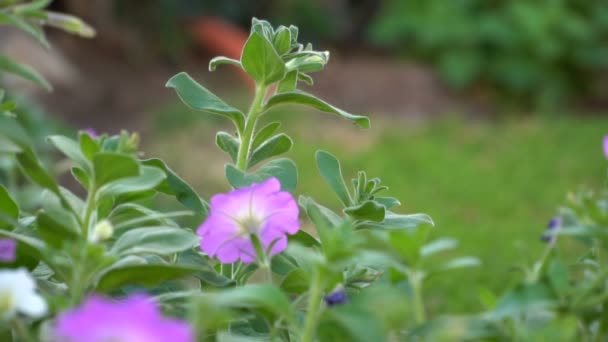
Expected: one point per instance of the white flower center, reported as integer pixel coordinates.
(250, 225)
(7, 303)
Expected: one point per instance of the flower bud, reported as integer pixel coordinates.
(103, 230)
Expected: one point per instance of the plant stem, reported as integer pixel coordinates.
(90, 206)
(314, 301)
(418, 303)
(21, 331)
(250, 121)
(262, 259)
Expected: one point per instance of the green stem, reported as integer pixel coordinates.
(21, 331)
(250, 121)
(90, 206)
(262, 259)
(314, 301)
(418, 303)
(78, 283)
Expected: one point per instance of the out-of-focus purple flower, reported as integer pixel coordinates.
(550, 234)
(8, 250)
(91, 132)
(134, 319)
(337, 297)
(259, 209)
(606, 146)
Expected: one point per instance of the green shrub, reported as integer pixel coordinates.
(539, 51)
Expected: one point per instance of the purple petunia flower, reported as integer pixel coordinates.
(337, 297)
(260, 209)
(553, 227)
(8, 250)
(91, 132)
(135, 319)
(606, 146)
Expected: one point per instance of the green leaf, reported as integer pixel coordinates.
(81, 176)
(283, 169)
(148, 180)
(300, 97)
(305, 78)
(368, 210)
(154, 240)
(228, 144)
(261, 61)
(31, 166)
(557, 273)
(274, 146)
(71, 149)
(304, 239)
(198, 97)
(174, 185)
(307, 61)
(23, 71)
(289, 83)
(266, 299)
(88, 145)
(330, 170)
(56, 227)
(24, 25)
(314, 210)
(69, 23)
(219, 60)
(31, 6)
(437, 246)
(8, 146)
(11, 128)
(387, 202)
(143, 274)
(296, 282)
(461, 262)
(393, 221)
(282, 40)
(350, 323)
(264, 133)
(109, 167)
(524, 299)
(9, 210)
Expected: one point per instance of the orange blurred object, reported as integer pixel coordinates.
(222, 38)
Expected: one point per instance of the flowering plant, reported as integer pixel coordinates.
(103, 262)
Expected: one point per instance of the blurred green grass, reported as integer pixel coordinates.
(491, 184)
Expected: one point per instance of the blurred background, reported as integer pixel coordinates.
(484, 113)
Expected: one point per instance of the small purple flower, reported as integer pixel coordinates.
(134, 319)
(259, 209)
(337, 297)
(8, 250)
(553, 227)
(606, 146)
(91, 132)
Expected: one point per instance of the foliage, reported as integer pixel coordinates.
(359, 275)
(542, 52)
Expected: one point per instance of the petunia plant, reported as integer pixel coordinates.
(100, 259)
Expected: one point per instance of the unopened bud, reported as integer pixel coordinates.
(102, 231)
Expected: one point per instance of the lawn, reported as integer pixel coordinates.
(493, 185)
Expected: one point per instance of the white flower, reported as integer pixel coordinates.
(18, 295)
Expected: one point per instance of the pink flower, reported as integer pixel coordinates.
(259, 209)
(135, 319)
(91, 132)
(8, 250)
(606, 146)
